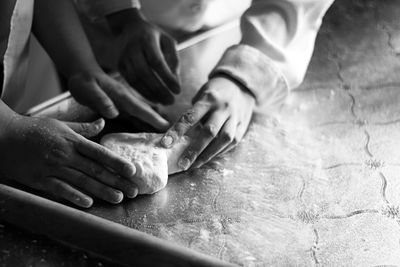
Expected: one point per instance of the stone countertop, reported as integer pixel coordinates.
(315, 184)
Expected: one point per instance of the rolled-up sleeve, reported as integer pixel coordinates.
(278, 39)
(97, 9)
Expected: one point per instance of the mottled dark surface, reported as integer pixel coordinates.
(315, 185)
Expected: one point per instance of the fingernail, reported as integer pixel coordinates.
(132, 192)
(184, 163)
(129, 170)
(177, 89)
(117, 196)
(85, 202)
(112, 112)
(99, 124)
(167, 141)
(197, 165)
(165, 125)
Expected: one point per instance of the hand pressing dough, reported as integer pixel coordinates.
(153, 163)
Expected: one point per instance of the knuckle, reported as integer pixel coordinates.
(58, 155)
(224, 104)
(213, 96)
(209, 130)
(216, 99)
(97, 171)
(188, 118)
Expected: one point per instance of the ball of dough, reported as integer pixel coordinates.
(150, 161)
(153, 162)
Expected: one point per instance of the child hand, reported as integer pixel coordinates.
(47, 155)
(148, 58)
(108, 97)
(224, 110)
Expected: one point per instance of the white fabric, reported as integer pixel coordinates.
(285, 30)
(16, 56)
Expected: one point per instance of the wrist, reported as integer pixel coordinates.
(240, 85)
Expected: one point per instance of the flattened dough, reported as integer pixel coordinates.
(153, 162)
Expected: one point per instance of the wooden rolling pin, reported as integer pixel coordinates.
(104, 238)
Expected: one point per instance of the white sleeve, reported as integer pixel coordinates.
(97, 9)
(278, 39)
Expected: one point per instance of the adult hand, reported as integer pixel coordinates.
(223, 110)
(47, 155)
(109, 97)
(148, 57)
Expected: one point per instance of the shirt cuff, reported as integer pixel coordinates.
(256, 71)
(101, 8)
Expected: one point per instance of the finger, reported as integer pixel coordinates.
(228, 148)
(146, 81)
(91, 94)
(104, 175)
(200, 94)
(168, 46)
(106, 157)
(60, 189)
(207, 133)
(129, 73)
(146, 113)
(87, 129)
(225, 138)
(186, 122)
(135, 107)
(241, 131)
(126, 70)
(157, 60)
(152, 83)
(84, 182)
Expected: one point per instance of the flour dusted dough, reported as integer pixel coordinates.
(153, 162)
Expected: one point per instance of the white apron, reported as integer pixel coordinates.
(16, 56)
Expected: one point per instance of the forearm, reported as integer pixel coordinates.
(276, 47)
(57, 27)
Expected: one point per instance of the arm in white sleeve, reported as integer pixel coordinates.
(278, 39)
(97, 9)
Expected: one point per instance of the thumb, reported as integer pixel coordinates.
(87, 129)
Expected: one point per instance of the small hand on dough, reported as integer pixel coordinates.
(152, 161)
